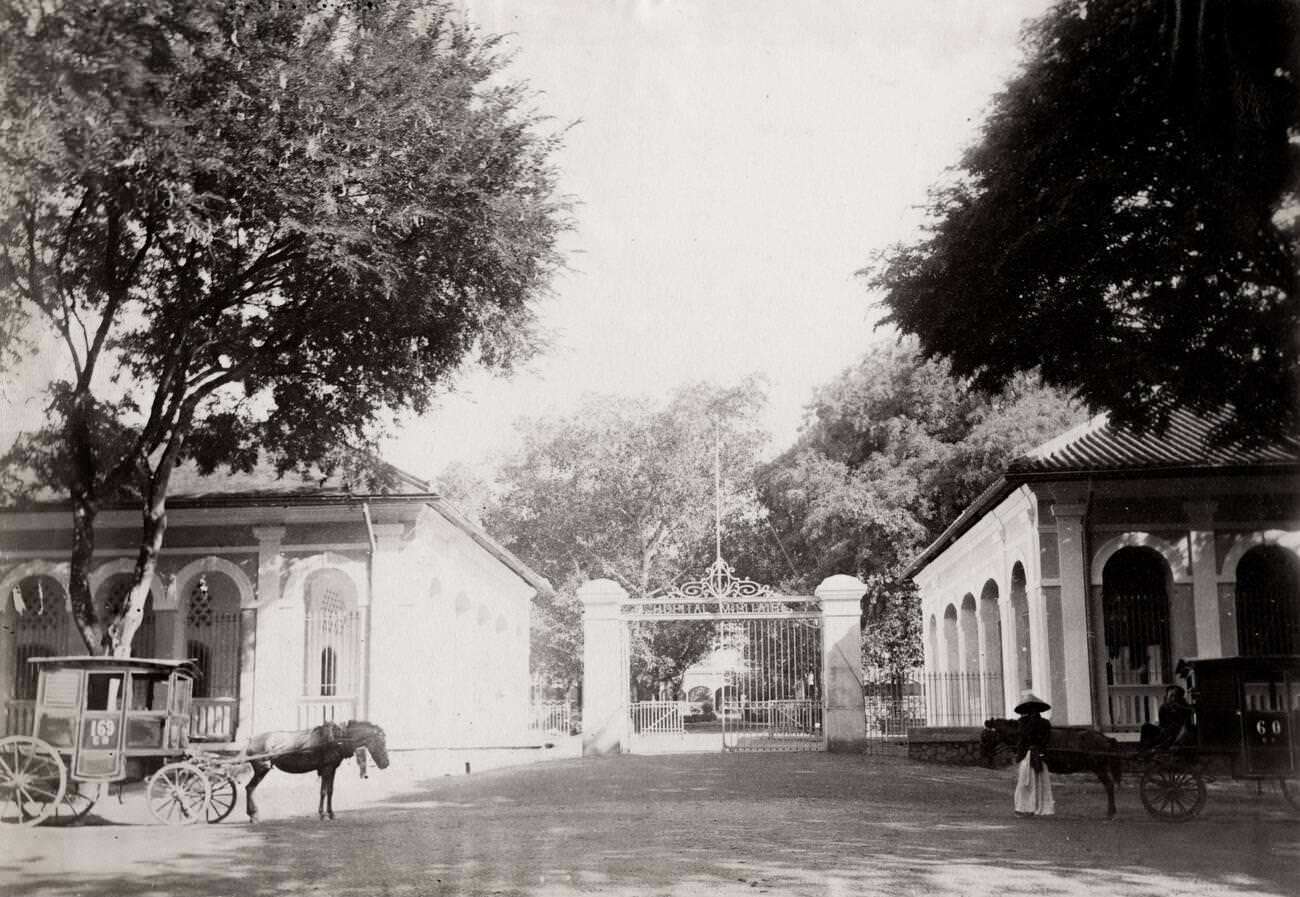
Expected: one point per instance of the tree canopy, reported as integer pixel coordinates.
(624, 490)
(894, 450)
(1127, 224)
(253, 228)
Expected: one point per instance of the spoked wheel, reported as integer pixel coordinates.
(32, 780)
(179, 794)
(225, 791)
(1291, 791)
(1172, 794)
(78, 798)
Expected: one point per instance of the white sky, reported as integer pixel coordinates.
(736, 161)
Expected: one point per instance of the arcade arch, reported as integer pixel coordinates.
(1268, 601)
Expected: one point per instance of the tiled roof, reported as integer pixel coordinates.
(264, 482)
(1099, 446)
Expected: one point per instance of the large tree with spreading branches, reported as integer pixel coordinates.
(252, 228)
(624, 490)
(1128, 222)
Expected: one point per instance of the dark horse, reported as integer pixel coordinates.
(1072, 749)
(319, 750)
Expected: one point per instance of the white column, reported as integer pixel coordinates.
(1205, 578)
(845, 719)
(258, 708)
(1010, 652)
(604, 668)
(1074, 617)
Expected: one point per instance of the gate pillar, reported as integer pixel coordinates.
(846, 718)
(604, 668)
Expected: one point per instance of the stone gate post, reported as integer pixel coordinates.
(604, 668)
(846, 720)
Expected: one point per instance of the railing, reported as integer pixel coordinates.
(213, 719)
(659, 717)
(781, 717)
(20, 717)
(1133, 705)
(555, 717)
(314, 711)
(962, 699)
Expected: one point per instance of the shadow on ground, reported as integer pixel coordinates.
(688, 824)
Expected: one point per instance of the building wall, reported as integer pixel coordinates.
(430, 638)
(1200, 528)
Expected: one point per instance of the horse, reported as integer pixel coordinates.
(1071, 749)
(321, 750)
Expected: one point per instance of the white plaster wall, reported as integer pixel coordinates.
(442, 676)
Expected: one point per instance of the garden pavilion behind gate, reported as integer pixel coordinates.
(301, 601)
(1102, 558)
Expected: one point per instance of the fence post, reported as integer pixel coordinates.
(846, 722)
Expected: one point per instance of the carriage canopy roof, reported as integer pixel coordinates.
(91, 662)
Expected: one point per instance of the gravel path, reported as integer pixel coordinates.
(706, 824)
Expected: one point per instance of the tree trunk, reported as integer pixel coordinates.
(85, 508)
(122, 627)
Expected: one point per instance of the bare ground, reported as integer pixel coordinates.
(706, 824)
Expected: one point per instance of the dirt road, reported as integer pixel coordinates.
(716, 825)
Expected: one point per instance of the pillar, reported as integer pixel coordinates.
(845, 718)
(1074, 578)
(1205, 578)
(266, 702)
(1011, 672)
(604, 668)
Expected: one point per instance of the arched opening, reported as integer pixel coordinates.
(947, 684)
(1024, 634)
(990, 629)
(42, 628)
(968, 637)
(1135, 611)
(332, 664)
(213, 639)
(1268, 602)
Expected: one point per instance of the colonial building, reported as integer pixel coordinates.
(1099, 560)
(300, 601)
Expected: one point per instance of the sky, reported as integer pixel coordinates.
(734, 163)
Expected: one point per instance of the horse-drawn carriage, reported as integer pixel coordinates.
(1247, 713)
(101, 720)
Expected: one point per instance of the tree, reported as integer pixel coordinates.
(254, 227)
(623, 490)
(1127, 223)
(894, 450)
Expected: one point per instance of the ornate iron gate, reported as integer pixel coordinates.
(769, 695)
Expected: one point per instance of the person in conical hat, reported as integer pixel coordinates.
(1030, 702)
(1033, 781)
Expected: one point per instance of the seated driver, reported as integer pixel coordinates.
(1174, 723)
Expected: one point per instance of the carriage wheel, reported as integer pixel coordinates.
(179, 794)
(32, 780)
(77, 801)
(225, 792)
(1171, 794)
(1291, 791)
